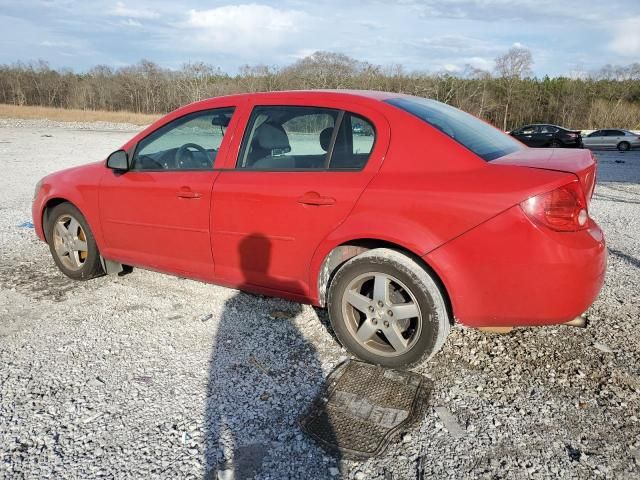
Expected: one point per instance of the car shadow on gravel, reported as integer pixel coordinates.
(263, 375)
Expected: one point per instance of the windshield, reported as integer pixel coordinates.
(479, 137)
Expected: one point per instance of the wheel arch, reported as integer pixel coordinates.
(46, 210)
(341, 253)
(53, 202)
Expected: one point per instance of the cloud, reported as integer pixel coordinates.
(626, 37)
(480, 63)
(55, 44)
(451, 68)
(497, 10)
(249, 28)
(121, 10)
(130, 22)
(457, 44)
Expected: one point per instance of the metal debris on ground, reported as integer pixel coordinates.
(602, 347)
(449, 421)
(143, 379)
(206, 317)
(363, 407)
(27, 225)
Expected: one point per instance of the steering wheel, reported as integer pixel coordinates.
(184, 156)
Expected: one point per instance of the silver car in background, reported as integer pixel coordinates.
(623, 140)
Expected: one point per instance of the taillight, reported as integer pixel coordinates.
(563, 209)
(572, 135)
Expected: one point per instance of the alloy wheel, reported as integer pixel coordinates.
(70, 242)
(382, 314)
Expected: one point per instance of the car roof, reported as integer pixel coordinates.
(545, 125)
(335, 94)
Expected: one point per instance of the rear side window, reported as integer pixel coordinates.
(305, 138)
(354, 143)
(479, 137)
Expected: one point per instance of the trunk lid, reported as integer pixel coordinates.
(580, 162)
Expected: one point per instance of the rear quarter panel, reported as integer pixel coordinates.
(430, 190)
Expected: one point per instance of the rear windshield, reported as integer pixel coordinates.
(479, 137)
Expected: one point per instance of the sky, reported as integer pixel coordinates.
(565, 37)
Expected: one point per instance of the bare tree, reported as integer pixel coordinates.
(608, 97)
(511, 68)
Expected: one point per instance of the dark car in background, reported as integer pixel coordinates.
(623, 140)
(543, 135)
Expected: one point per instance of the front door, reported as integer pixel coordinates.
(298, 174)
(157, 214)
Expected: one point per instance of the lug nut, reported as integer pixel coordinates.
(374, 321)
(371, 308)
(390, 313)
(386, 324)
(380, 304)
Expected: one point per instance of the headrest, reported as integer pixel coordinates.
(325, 138)
(272, 137)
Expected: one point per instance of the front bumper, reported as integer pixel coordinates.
(510, 272)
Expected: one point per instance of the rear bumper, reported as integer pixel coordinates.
(576, 143)
(511, 272)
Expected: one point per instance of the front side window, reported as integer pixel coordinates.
(187, 143)
(481, 138)
(305, 138)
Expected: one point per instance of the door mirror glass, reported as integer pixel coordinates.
(118, 160)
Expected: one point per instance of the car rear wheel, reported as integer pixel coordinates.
(555, 144)
(624, 146)
(386, 309)
(72, 244)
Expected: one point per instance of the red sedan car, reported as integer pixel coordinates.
(399, 214)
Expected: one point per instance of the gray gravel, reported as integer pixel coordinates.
(152, 376)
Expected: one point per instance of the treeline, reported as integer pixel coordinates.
(507, 97)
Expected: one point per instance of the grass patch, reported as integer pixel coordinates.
(73, 115)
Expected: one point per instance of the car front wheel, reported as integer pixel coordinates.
(72, 244)
(387, 309)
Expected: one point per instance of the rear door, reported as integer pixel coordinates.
(157, 214)
(544, 135)
(614, 137)
(295, 176)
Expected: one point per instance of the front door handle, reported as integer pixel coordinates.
(314, 198)
(186, 192)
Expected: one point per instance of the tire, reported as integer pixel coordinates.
(72, 244)
(370, 332)
(555, 144)
(624, 146)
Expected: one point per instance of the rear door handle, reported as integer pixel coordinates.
(186, 192)
(314, 198)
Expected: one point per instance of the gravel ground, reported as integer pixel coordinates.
(152, 376)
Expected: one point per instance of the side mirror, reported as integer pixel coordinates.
(118, 160)
(221, 120)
